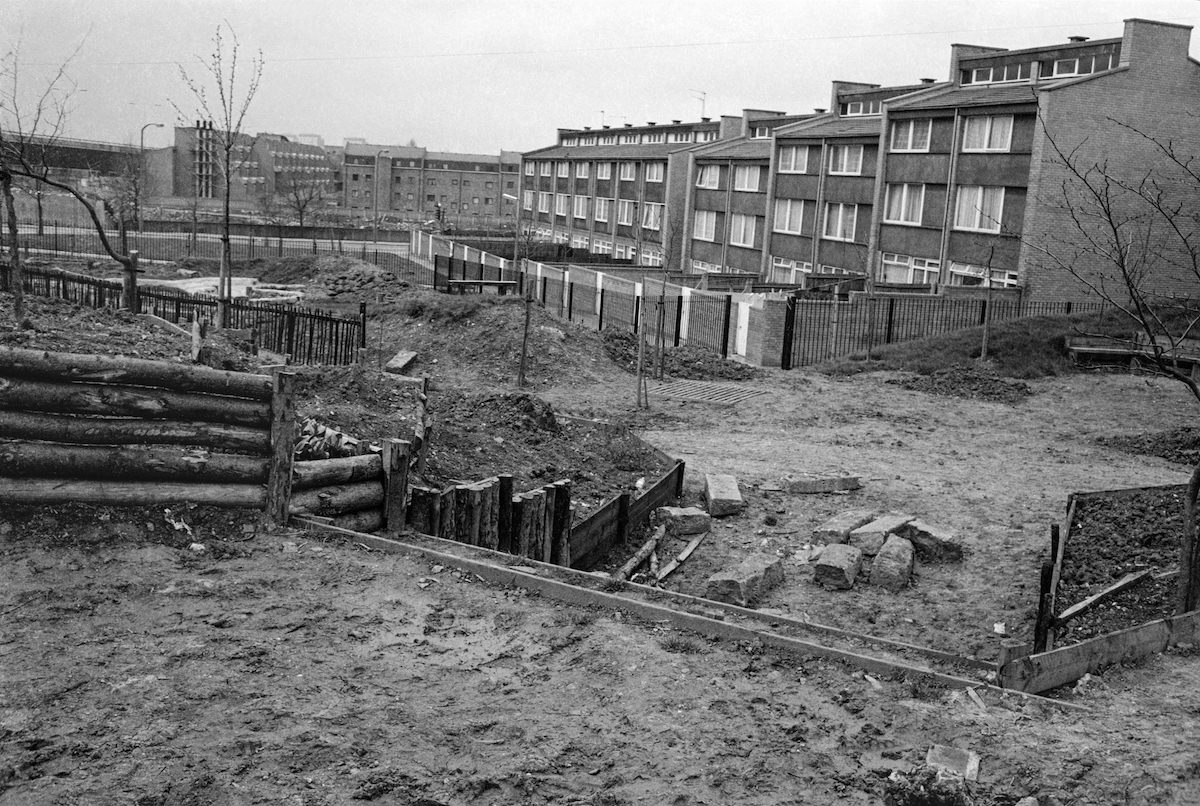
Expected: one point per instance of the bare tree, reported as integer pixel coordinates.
(1133, 240)
(299, 191)
(222, 98)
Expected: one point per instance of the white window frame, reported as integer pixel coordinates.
(704, 225)
(580, 207)
(627, 172)
(906, 196)
(529, 168)
(564, 169)
(704, 267)
(761, 133)
(790, 161)
(652, 214)
(708, 176)
(917, 270)
(602, 247)
(741, 230)
(652, 257)
(602, 209)
(546, 167)
(544, 201)
(625, 213)
(582, 169)
(526, 202)
(970, 213)
(988, 124)
(561, 204)
(789, 215)
(836, 213)
(845, 160)
(746, 178)
(653, 137)
(604, 170)
(904, 136)
(655, 171)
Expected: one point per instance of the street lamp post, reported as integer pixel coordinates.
(376, 192)
(137, 179)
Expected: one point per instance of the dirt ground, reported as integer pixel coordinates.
(270, 667)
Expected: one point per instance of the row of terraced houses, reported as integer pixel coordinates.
(926, 184)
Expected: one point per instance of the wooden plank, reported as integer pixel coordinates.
(395, 484)
(1123, 584)
(670, 567)
(1047, 670)
(516, 508)
(124, 493)
(660, 493)
(592, 538)
(283, 443)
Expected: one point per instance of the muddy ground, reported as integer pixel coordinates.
(270, 667)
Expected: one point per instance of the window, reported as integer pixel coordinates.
(487, 199)
(543, 202)
(846, 160)
(654, 171)
(652, 216)
(967, 274)
(601, 212)
(429, 198)
(906, 269)
(904, 203)
(706, 137)
(560, 203)
(704, 228)
(590, 140)
(628, 139)
(679, 137)
(979, 208)
(652, 257)
(488, 185)
(431, 181)
(787, 270)
(741, 232)
(474, 200)
(855, 108)
(581, 170)
(709, 176)
(993, 133)
(840, 220)
(789, 215)
(354, 177)
(627, 172)
(761, 132)
(604, 170)
(579, 242)
(625, 212)
(793, 159)
(653, 137)
(545, 168)
(602, 247)
(570, 141)
(608, 140)
(911, 135)
(745, 177)
(564, 170)
(581, 205)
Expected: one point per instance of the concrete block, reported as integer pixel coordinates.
(813, 483)
(933, 544)
(837, 567)
(893, 565)
(683, 520)
(838, 528)
(745, 584)
(870, 537)
(400, 362)
(954, 761)
(722, 494)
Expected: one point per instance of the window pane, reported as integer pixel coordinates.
(1001, 133)
(920, 134)
(976, 133)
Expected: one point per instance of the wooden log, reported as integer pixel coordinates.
(129, 462)
(338, 500)
(117, 401)
(127, 493)
(423, 510)
(489, 532)
(395, 471)
(551, 493)
(326, 472)
(561, 550)
(283, 447)
(462, 514)
(670, 567)
(119, 431)
(446, 522)
(535, 524)
(641, 556)
(504, 513)
(76, 368)
(364, 520)
(1123, 584)
(476, 515)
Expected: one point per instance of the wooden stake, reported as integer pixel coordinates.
(504, 514)
(283, 441)
(395, 474)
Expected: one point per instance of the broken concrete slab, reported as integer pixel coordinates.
(932, 543)
(722, 494)
(954, 761)
(745, 584)
(400, 362)
(683, 520)
(837, 567)
(838, 528)
(893, 565)
(870, 537)
(814, 483)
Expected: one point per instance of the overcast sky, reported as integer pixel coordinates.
(482, 75)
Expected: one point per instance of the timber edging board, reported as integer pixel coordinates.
(529, 578)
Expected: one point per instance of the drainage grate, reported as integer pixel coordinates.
(703, 392)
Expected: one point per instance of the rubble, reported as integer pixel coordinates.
(838, 528)
(683, 520)
(893, 565)
(722, 494)
(837, 567)
(870, 537)
(745, 584)
(811, 483)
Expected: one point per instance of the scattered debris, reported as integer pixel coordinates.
(838, 566)
(838, 528)
(683, 555)
(642, 554)
(683, 520)
(870, 537)
(933, 544)
(893, 565)
(400, 362)
(745, 584)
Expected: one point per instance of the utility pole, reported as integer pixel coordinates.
(137, 175)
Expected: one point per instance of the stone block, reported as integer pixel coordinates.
(683, 520)
(933, 544)
(745, 584)
(838, 528)
(893, 565)
(870, 537)
(954, 761)
(722, 494)
(400, 362)
(813, 483)
(837, 567)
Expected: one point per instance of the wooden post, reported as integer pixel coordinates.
(551, 493)
(446, 514)
(561, 549)
(504, 513)
(283, 443)
(129, 288)
(1045, 616)
(395, 484)
(516, 510)
(475, 515)
(424, 510)
(197, 338)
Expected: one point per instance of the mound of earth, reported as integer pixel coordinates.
(1180, 445)
(338, 277)
(62, 326)
(967, 381)
(275, 270)
(686, 361)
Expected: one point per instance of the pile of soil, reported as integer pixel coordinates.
(687, 361)
(363, 403)
(62, 326)
(1180, 445)
(968, 381)
(342, 278)
(1114, 535)
(276, 270)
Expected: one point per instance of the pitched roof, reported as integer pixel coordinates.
(973, 96)
(610, 152)
(834, 126)
(740, 148)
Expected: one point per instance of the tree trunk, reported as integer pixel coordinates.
(128, 462)
(17, 277)
(136, 493)
(41, 227)
(225, 275)
(119, 431)
(338, 500)
(1187, 596)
